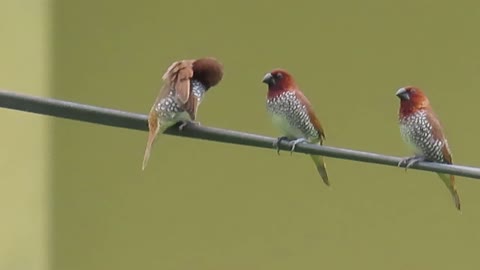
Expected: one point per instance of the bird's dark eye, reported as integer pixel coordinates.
(279, 75)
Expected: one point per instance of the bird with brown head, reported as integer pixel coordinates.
(293, 115)
(422, 132)
(185, 84)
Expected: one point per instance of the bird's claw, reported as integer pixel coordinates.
(295, 142)
(185, 123)
(410, 161)
(276, 144)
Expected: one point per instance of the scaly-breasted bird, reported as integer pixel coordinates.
(185, 84)
(293, 115)
(422, 131)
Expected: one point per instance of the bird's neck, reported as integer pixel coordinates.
(407, 109)
(272, 93)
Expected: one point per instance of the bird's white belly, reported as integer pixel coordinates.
(284, 126)
(183, 116)
(173, 119)
(407, 135)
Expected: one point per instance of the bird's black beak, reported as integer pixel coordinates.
(268, 79)
(402, 94)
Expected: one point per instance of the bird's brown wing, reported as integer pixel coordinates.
(178, 77)
(437, 134)
(191, 106)
(313, 118)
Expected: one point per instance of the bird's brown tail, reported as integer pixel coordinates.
(321, 168)
(154, 128)
(449, 181)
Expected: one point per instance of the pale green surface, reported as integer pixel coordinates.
(203, 205)
(24, 154)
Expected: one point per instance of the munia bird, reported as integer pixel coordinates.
(293, 115)
(185, 84)
(422, 132)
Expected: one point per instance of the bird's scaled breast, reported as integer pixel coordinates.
(407, 135)
(169, 110)
(417, 132)
(167, 105)
(290, 116)
(198, 90)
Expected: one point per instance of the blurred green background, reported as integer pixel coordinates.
(206, 205)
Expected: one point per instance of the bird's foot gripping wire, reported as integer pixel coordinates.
(276, 144)
(410, 161)
(185, 123)
(295, 142)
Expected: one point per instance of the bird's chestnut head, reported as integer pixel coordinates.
(412, 99)
(279, 80)
(208, 71)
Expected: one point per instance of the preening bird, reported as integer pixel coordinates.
(422, 132)
(185, 84)
(293, 115)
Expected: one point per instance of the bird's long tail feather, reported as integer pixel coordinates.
(321, 168)
(449, 181)
(154, 128)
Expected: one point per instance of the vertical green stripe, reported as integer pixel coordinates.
(24, 144)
